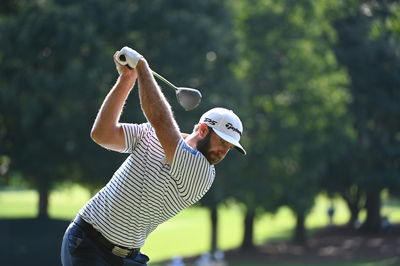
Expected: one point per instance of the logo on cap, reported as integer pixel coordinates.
(208, 120)
(230, 126)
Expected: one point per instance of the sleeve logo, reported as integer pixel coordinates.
(189, 149)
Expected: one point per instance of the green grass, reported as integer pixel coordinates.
(187, 234)
(387, 262)
(18, 204)
(65, 203)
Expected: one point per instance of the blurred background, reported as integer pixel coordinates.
(316, 84)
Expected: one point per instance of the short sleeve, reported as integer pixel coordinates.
(133, 134)
(192, 172)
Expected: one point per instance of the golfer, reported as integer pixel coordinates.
(165, 172)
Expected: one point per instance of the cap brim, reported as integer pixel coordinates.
(231, 140)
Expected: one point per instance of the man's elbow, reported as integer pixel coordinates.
(97, 136)
(107, 138)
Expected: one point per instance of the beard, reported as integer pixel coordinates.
(204, 145)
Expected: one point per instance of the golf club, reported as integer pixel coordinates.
(188, 98)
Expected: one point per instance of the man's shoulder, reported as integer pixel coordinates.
(182, 144)
(190, 156)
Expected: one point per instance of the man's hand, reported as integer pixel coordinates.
(125, 72)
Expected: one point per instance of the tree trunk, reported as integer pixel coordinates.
(373, 206)
(43, 202)
(353, 203)
(300, 231)
(248, 230)
(214, 230)
(352, 223)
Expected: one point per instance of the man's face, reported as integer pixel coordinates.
(213, 147)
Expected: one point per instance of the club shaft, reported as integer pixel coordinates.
(164, 80)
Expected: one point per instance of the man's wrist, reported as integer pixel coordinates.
(142, 63)
(126, 80)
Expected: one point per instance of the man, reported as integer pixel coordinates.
(166, 172)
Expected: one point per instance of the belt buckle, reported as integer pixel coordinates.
(120, 252)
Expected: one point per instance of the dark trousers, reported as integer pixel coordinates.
(79, 250)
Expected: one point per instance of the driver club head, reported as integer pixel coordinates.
(188, 98)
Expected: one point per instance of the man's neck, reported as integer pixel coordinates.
(190, 139)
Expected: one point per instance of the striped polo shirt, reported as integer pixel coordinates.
(146, 191)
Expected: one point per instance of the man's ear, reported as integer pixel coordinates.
(203, 130)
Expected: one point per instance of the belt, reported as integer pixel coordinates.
(95, 235)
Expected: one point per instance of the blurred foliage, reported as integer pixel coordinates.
(296, 116)
(368, 47)
(316, 84)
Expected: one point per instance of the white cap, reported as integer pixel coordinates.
(225, 124)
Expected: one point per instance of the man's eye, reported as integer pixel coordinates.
(225, 143)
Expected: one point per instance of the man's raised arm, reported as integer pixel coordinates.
(106, 130)
(157, 110)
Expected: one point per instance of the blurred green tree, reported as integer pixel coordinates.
(296, 106)
(50, 77)
(368, 46)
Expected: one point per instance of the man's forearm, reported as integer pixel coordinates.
(155, 107)
(157, 110)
